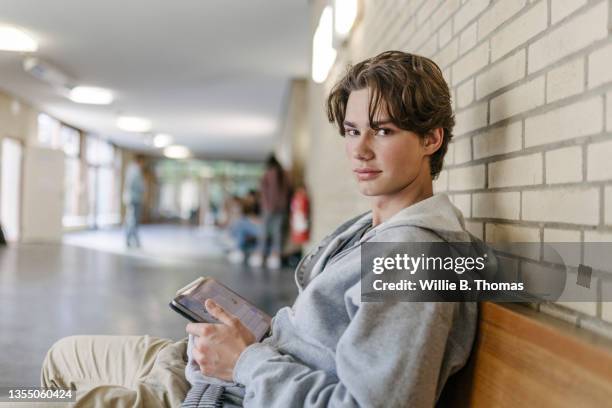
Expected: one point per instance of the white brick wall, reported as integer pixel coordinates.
(569, 37)
(531, 83)
(519, 30)
(470, 119)
(498, 140)
(501, 74)
(562, 8)
(564, 165)
(568, 122)
(566, 80)
(497, 205)
(471, 62)
(608, 208)
(505, 173)
(599, 159)
(498, 14)
(578, 205)
(600, 70)
(467, 178)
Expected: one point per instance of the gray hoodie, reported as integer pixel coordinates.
(331, 349)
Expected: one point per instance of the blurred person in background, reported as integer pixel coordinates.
(275, 191)
(245, 231)
(133, 193)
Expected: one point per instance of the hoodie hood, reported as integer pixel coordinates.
(436, 214)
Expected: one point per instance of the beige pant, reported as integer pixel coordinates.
(118, 371)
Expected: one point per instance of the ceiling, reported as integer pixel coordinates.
(212, 73)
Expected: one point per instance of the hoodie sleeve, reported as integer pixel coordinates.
(391, 354)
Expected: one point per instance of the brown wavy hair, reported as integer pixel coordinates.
(410, 87)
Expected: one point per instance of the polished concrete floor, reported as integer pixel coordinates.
(51, 291)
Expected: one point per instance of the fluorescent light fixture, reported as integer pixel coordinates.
(162, 140)
(90, 95)
(133, 124)
(323, 52)
(236, 124)
(13, 39)
(177, 152)
(345, 14)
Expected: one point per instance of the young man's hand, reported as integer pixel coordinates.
(218, 346)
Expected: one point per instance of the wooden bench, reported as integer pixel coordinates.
(523, 358)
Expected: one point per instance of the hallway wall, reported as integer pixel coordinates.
(532, 91)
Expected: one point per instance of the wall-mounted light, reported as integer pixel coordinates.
(323, 52)
(133, 124)
(177, 152)
(162, 140)
(345, 14)
(90, 95)
(13, 39)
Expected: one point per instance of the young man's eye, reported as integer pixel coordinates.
(383, 132)
(351, 132)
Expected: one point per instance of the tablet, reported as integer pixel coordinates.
(189, 302)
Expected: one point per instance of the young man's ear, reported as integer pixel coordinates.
(433, 140)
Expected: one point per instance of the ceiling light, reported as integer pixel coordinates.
(323, 52)
(345, 14)
(177, 152)
(133, 124)
(162, 140)
(90, 95)
(13, 39)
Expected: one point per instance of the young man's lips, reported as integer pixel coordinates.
(367, 174)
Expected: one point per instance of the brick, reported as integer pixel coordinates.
(499, 140)
(465, 93)
(609, 111)
(525, 27)
(560, 313)
(441, 183)
(496, 15)
(608, 206)
(445, 33)
(565, 80)
(562, 246)
(568, 122)
(598, 161)
(468, 12)
(606, 306)
(597, 326)
(445, 11)
(501, 74)
(597, 253)
(599, 66)
(569, 37)
(425, 11)
(463, 203)
(449, 157)
(578, 205)
(524, 97)
(467, 178)
(518, 171)
(564, 165)
(511, 233)
(505, 205)
(463, 150)
(471, 63)
(429, 48)
(467, 39)
(560, 9)
(475, 228)
(470, 119)
(448, 54)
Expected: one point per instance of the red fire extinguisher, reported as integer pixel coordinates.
(300, 219)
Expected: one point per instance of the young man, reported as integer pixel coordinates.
(330, 348)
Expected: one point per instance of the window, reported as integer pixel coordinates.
(48, 131)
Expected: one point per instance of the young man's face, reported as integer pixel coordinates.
(385, 161)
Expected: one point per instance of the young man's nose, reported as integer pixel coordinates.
(362, 149)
